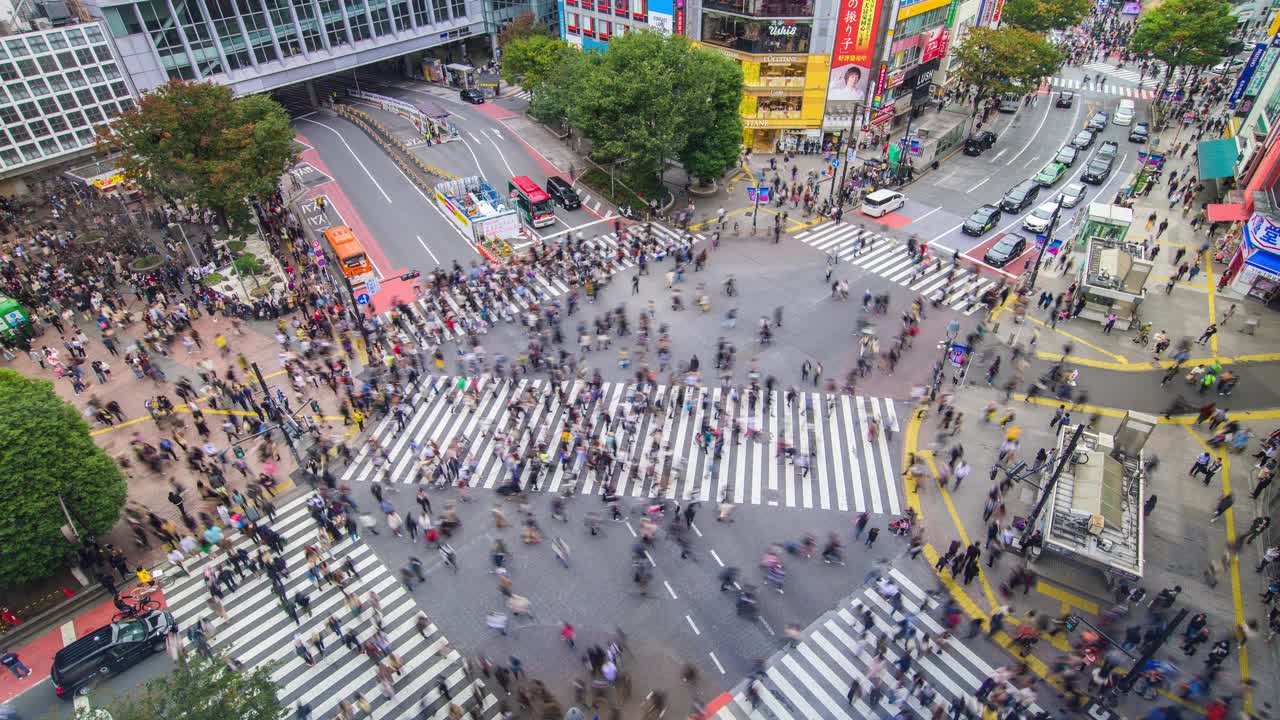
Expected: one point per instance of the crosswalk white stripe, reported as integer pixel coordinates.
(849, 428)
(882, 441)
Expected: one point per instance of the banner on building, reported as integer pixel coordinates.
(936, 45)
(1247, 73)
(851, 58)
(989, 13)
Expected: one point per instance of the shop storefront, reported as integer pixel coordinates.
(1255, 268)
(756, 35)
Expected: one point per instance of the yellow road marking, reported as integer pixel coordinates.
(1264, 414)
(1237, 600)
(1074, 338)
(1068, 599)
(1213, 311)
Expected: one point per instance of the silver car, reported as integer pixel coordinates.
(1072, 194)
(1067, 156)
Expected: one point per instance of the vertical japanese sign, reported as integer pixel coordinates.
(1246, 74)
(855, 42)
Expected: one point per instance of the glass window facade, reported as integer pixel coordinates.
(756, 36)
(58, 84)
(763, 8)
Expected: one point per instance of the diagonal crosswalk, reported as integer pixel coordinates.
(812, 679)
(1106, 89)
(256, 629)
(891, 261)
(452, 312)
(1134, 76)
(661, 437)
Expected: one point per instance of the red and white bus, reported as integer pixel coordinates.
(532, 201)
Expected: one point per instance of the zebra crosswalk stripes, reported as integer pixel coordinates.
(812, 679)
(890, 260)
(1133, 76)
(837, 463)
(522, 94)
(258, 631)
(542, 287)
(1075, 84)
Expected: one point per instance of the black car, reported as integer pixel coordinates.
(1140, 133)
(562, 192)
(982, 220)
(1097, 170)
(109, 650)
(976, 144)
(1005, 250)
(1019, 196)
(1064, 99)
(1083, 139)
(471, 95)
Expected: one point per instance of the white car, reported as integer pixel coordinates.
(882, 202)
(1124, 113)
(1037, 221)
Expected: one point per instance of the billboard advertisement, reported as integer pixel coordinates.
(851, 59)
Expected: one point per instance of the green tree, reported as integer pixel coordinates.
(1006, 60)
(648, 96)
(203, 689)
(560, 89)
(529, 61)
(1044, 15)
(716, 146)
(1184, 33)
(522, 26)
(46, 454)
(198, 142)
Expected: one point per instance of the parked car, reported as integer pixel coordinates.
(471, 95)
(1010, 102)
(977, 144)
(1228, 65)
(1082, 140)
(1019, 196)
(562, 192)
(1108, 148)
(1065, 98)
(109, 650)
(1098, 169)
(981, 220)
(1099, 120)
(1005, 250)
(1124, 113)
(1072, 194)
(882, 202)
(1050, 174)
(1037, 221)
(1067, 156)
(1140, 133)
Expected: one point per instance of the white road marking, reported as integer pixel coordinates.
(504, 157)
(716, 660)
(473, 152)
(670, 590)
(945, 233)
(980, 184)
(473, 136)
(689, 620)
(997, 157)
(716, 557)
(766, 626)
(495, 132)
(434, 259)
(926, 215)
(1048, 107)
(353, 154)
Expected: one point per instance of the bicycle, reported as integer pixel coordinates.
(143, 603)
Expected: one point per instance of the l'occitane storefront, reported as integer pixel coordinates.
(782, 101)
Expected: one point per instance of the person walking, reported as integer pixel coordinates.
(1271, 555)
(14, 663)
(1208, 333)
(1201, 464)
(1224, 504)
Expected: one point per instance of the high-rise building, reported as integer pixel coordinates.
(259, 45)
(57, 86)
(589, 24)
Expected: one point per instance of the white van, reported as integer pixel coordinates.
(882, 202)
(1124, 113)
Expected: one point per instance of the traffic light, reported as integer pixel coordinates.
(315, 406)
(1072, 622)
(239, 451)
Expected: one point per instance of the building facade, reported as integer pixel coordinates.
(57, 86)
(589, 24)
(259, 45)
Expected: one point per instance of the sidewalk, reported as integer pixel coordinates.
(1179, 544)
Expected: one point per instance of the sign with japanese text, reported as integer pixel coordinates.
(936, 45)
(856, 24)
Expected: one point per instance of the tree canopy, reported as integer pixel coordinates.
(46, 454)
(521, 26)
(1183, 33)
(1044, 15)
(199, 688)
(649, 98)
(198, 142)
(532, 60)
(1006, 60)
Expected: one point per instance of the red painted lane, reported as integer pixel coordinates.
(1013, 268)
(333, 191)
(893, 220)
(717, 704)
(38, 654)
(493, 111)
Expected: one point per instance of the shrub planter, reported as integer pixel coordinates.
(146, 263)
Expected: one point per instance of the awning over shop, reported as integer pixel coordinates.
(1217, 158)
(1228, 212)
(459, 67)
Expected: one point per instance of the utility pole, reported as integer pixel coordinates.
(279, 413)
(850, 143)
(1051, 485)
(1126, 682)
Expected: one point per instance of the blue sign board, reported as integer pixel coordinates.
(372, 286)
(362, 299)
(958, 354)
(1246, 74)
(763, 194)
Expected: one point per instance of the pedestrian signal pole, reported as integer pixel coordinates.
(280, 416)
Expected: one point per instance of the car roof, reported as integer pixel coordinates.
(1074, 187)
(882, 195)
(1084, 131)
(1049, 205)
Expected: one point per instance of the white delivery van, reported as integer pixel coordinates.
(882, 202)
(1124, 113)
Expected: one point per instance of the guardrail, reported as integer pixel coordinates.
(442, 130)
(396, 149)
